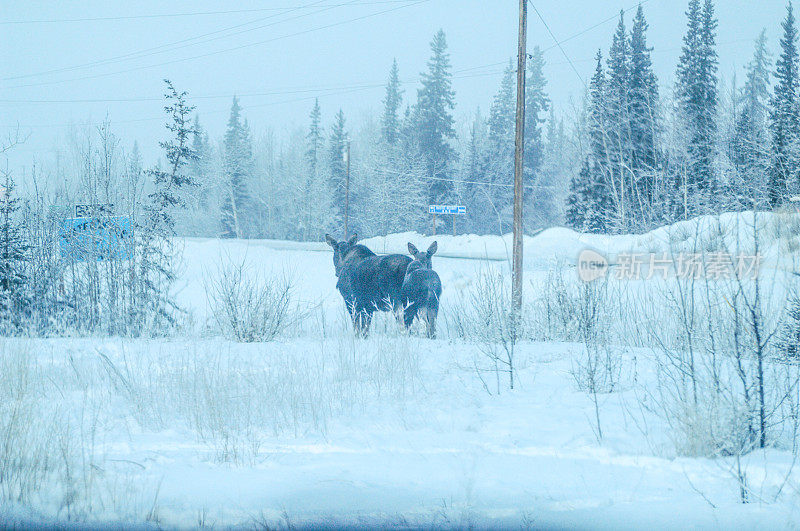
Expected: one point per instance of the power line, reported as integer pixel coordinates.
(480, 67)
(286, 91)
(161, 48)
(571, 37)
(557, 43)
(235, 48)
(320, 93)
(315, 88)
(144, 52)
(456, 181)
(174, 15)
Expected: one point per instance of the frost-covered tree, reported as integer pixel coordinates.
(13, 256)
(749, 147)
(643, 119)
(387, 189)
(482, 215)
(590, 204)
(696, 95)
(536, 106)
(390, 120)
(314, 138)
(168, 183)
(154, 307)
(237, 167)
(195, 219)
(497, 167)
(337, 170)
(579, 201)
(789, 338)
(434, 123)
(200, 166)
(785, 115)
(538, 197)
(312, 194)
(546, 193)
(617, 125)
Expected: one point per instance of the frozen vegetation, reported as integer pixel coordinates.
(316, 426)
(174, 352)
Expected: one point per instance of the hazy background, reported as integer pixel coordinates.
(279, 55)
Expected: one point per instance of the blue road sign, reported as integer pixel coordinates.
(92, 238)
(447, 209)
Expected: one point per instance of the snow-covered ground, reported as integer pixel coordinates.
(319, 428)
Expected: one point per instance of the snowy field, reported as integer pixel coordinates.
(318, 428)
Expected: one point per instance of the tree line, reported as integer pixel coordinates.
(634, 155)
(652, 160)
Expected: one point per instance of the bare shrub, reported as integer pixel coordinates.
(484, 316)
(248, 306)
(720, 386)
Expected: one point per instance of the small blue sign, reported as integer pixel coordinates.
(95, 238)
(447, 209)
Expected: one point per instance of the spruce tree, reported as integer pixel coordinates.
(390, 121)
(696, 92)
(600, 192)
(314, 138)
(536, 105)
(750, 143)
(168, 183)
(579, 201)
(497, 166)
(337, 145)
(237, 167)
(155, 273)
(789, 337)
(785, 115)
(642, 113)
(502, 112)
(13, 255)
(201, 148)
(545, 196)
(616, 121)
(200, 166)
(590, 204)
(477, 197)
(434, 120)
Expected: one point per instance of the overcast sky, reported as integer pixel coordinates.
(279, 55)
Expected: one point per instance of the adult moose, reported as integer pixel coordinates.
(367, 282)
(421, 289)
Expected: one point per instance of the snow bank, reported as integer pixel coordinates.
(778, 234)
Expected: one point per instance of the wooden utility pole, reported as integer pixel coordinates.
(347, 194)
(519, 139)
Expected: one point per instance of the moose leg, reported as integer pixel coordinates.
(430, 323)
(409, 314)
(431, 311)
(399, 312)
(361, 322)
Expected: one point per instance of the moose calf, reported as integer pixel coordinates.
(421, 289)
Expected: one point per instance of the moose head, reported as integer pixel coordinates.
(340, 250)
(424, 257)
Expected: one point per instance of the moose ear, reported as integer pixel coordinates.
(330, 240)
(432, 248)
(353, 239)
(412, 249)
